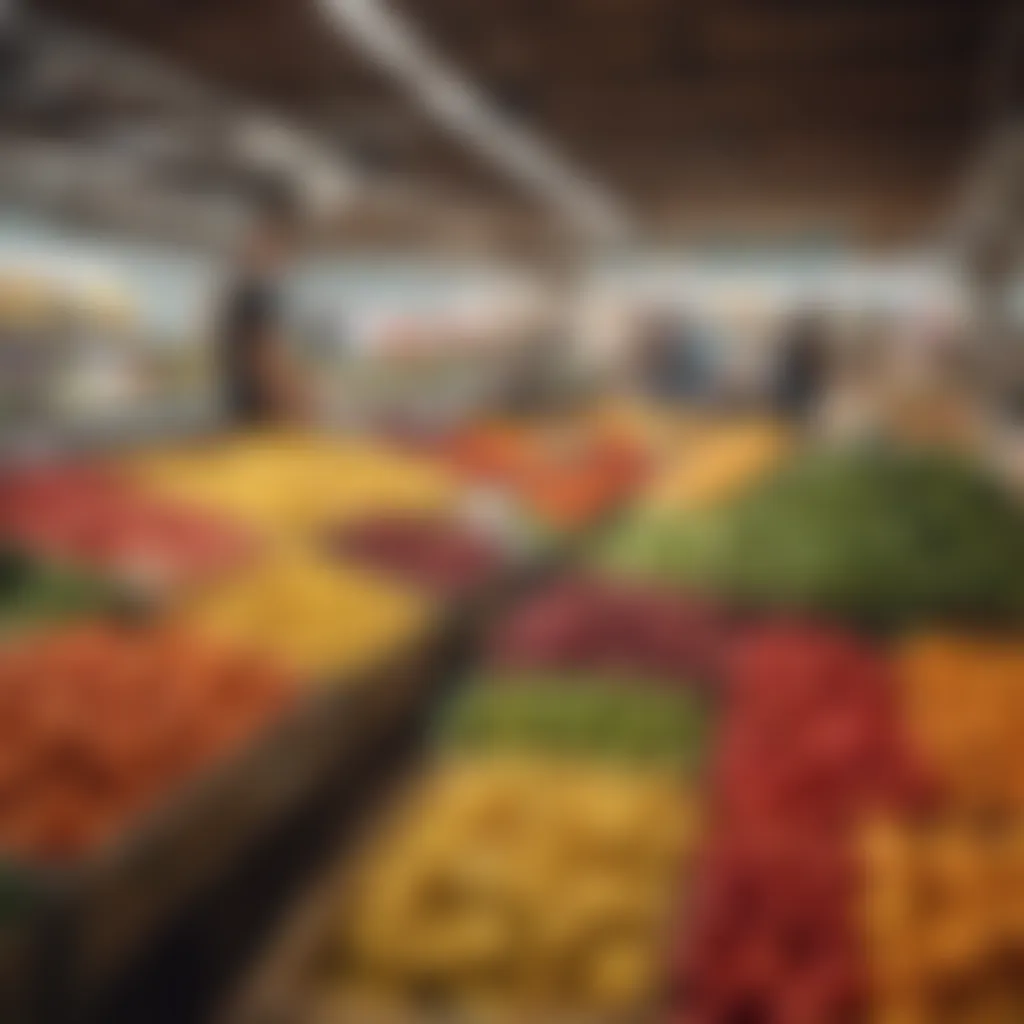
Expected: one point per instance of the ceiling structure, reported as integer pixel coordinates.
(704, 120)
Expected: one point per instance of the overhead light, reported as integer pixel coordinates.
(390, 41)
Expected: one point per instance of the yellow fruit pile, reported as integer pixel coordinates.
(286, 484)
(310, 615)
(514, 889)
(720, 466)
(964, 705)
(944, 923)
(650, 428)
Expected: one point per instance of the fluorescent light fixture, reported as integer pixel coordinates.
(388, 39)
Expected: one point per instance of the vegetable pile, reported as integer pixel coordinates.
(963, 699)
(432, 553)
(320, 619)
(34, 592)
(602, 720)
(291, 485)
(597, 626)
(100, 723)
(887, 537)
(93, 518)
(514, 890)
(942, 920)
(565, 474)
(810, 748)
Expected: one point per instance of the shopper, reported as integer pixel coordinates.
(260, 381)
(802, 367)
(673, 360)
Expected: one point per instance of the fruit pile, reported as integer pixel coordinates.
(91, 517)
(320, 619)
(657, 430)
(853, 533)
(515, 890)
(101, 723)
(433, 553)
(943, 921)
(564, 474)
(602, 720)
(289, 485)
(581, 623)
(964, 705)
(810, 747)
(728, 462)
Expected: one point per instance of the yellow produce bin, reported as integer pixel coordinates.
(289, 484)
(720, 466)
(320, 618)
(523, 889)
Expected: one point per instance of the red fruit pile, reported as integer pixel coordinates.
(567, 477)
(432, 553)
(585, 624)
(810, 747)
(94, 518)
(774, 936)
(98, 722)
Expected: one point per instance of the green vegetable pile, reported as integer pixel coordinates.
(883, 537)
(33, 592)
(603, 719)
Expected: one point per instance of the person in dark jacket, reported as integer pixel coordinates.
(259, 381)
(802, 368)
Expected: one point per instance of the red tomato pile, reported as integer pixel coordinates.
(99, 722)
(810, 747)
(433, 553)
(92, 517)
(585, 624)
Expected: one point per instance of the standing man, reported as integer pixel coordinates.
(260, 383)
(803, 365)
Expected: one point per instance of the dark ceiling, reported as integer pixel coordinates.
(700, 117)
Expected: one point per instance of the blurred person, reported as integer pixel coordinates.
(801, 372)
(260, 380)
(673, 360)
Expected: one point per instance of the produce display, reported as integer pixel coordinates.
(963, 700)
(100, 723)
(434, 553)
(729, 461)
(91, 517)
(809, 748)
(757, 763)
(514, 890)
(874, 535)
(587, 623)
(943, 921)
(288, 485)
(606, 719)
(320, 619)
